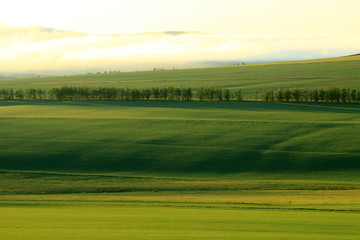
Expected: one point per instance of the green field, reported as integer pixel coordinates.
(184, 170)
(343, 72)
(95, 221)
(184, 137)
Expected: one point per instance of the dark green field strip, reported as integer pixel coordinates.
(71, 186)
(190, 120)
(203, 111)
(20, 182)
(157, 145)
(350, 208)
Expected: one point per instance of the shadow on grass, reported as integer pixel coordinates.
(220, 162)
(232, 105)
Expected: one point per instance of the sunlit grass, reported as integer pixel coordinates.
(155, 222)
(343, 72)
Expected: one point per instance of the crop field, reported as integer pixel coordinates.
(184, 170)
(179, 137)
(150, 221)
(343, 72)
(174, 170)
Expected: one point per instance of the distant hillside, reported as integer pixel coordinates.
(35, 34)
(19, 75)
(342, 71)
(39, 34)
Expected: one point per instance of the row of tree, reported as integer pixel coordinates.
(218, 94)
(330, 94)
(65, 93)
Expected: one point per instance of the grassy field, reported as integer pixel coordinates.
(188, 207)
(154, 222)
(343, 72)
(179, 214)
(184, 170)
(186, 137)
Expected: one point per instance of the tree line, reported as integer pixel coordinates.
(66, 93)
(329, 94)
(218, 94)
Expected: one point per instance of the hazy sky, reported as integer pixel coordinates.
(241, 29)
(213, 16)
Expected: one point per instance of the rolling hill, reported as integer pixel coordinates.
(187, 138)
(179, 137)
(343, 72)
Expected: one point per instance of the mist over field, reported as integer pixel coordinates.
(39, 50)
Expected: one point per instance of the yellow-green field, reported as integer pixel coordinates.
(187, 215)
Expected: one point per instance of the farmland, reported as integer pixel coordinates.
(101, 220)
(343, 72)
(184, 170)
(178, 137)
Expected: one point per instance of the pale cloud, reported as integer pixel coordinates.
(215, 16)
(36, 49)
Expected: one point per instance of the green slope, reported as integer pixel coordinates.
(187, 137)
(183, 137)
(343, 72)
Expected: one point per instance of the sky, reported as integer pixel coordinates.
(218, 31)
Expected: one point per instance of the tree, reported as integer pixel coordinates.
(321, 95)
(186, 94)
(156, 93)
(218, 94)
(304, 94)
(265, 95)
(279, 94)
(238, 95)
(287, 94)
(255, 95)
(296, 94)
(353, 95)
(171, 93)
(41, 93)
(358, 96)
(4, 94)
(343, 95)
(163, 93)
(30, 93)
(177, 94)
(19, 94)
(348, 95)
(200, 93)
(315, 95)
(11, 94)
(272, 95)
(147, 94)
(135, 94)
(227, 95)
